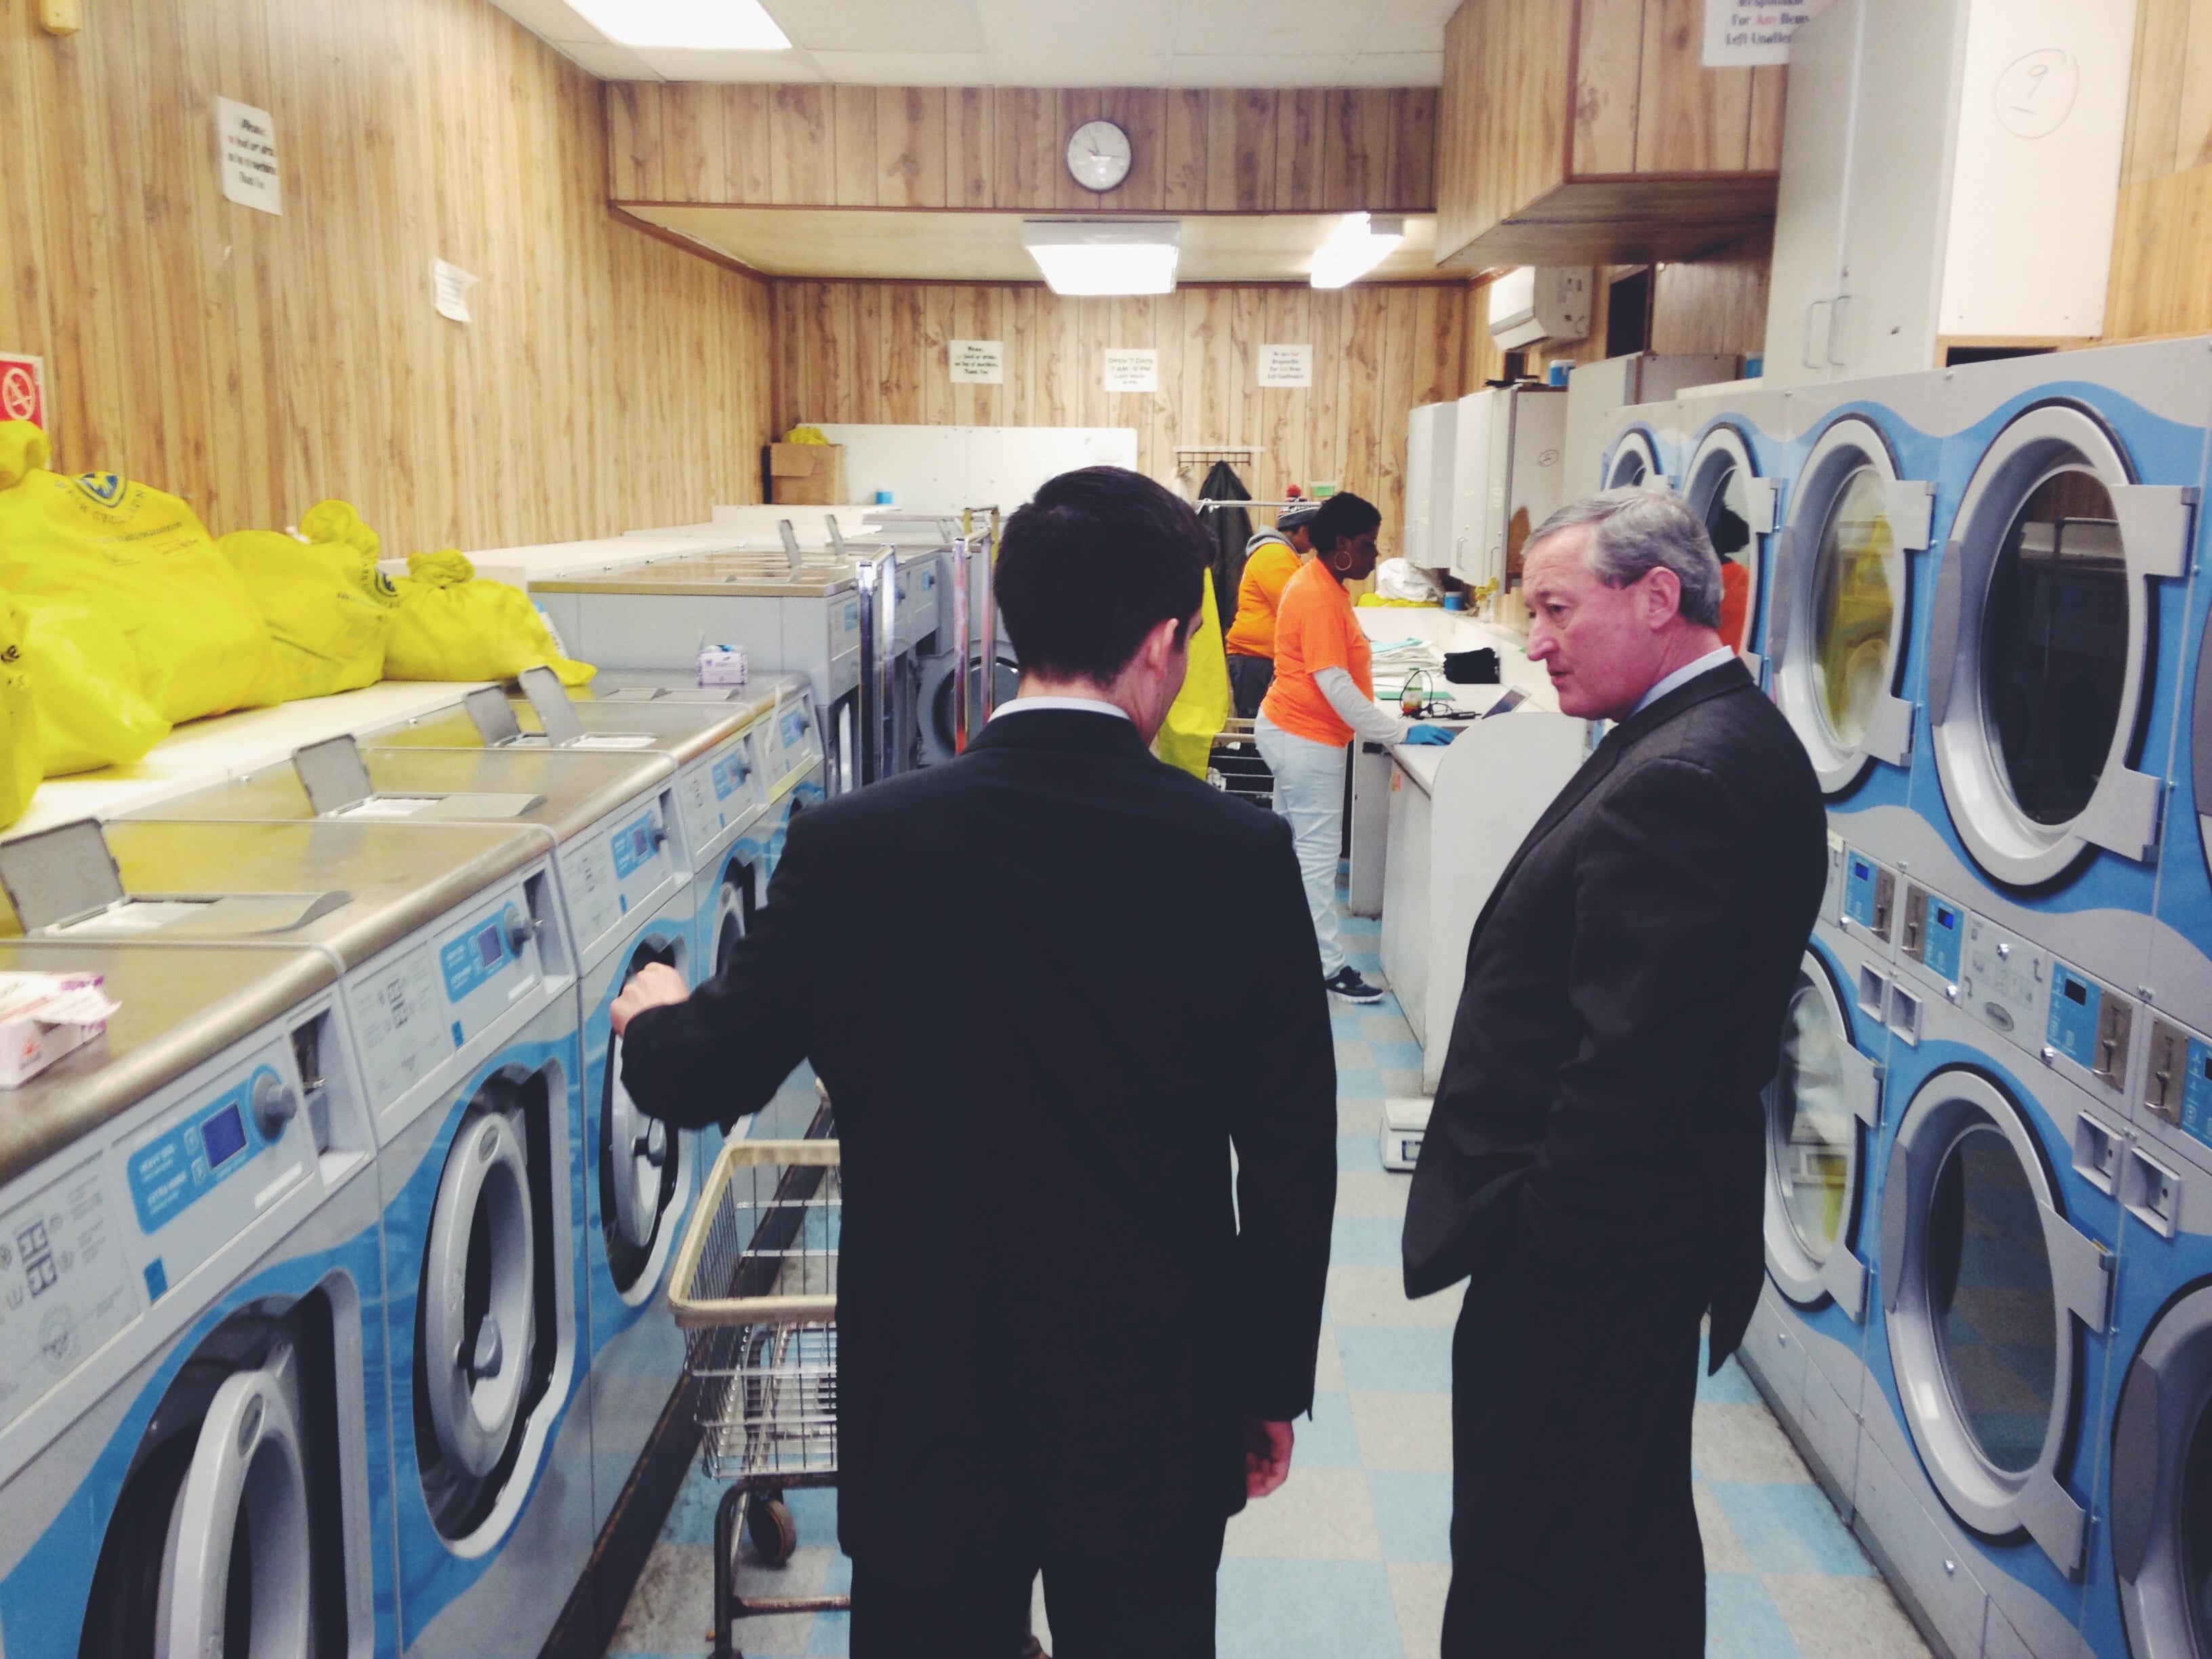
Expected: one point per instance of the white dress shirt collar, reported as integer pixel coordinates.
(1076, 705)
(1682, 677)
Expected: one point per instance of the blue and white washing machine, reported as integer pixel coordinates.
(194, 1432)
(1806, 1345)
(2057, 647)
(1735, 453)
(1990, 1339)
(458, 991)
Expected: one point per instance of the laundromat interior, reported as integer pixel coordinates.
(473, 473)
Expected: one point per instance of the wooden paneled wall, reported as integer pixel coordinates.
(876, 351)
(2161, 278)
(253, 364)
(1575, 134)
(1195, 151)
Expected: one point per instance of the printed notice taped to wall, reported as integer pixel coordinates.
(1133, 371)
(1286, 365)
(978, 362)
(247, 139)
(1737, 34)
(449, 290)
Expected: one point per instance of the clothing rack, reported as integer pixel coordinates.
(1187, 456)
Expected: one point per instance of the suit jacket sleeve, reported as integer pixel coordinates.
(1661, 941)
(1283, 1121)
(725, 1050)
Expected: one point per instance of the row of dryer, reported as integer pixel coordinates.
(330, 1311)
(1980, 596)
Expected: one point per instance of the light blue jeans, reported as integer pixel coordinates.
(1309, 793)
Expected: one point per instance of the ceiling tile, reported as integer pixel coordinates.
(880, 25)
(553, 20)
(909, 69)
(672, 65)
(1271, 28)
(1094, 69)
(1394, 69)
(609, 63)
(1243, 70)
(1408, 26)
(1066, 32)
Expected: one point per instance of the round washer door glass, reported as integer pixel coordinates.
(1812, 1131)
(1989, 1296)
(2054, 644)
(1726, 509)
(2196, 1518)
(1858, 581)
(1628, 471)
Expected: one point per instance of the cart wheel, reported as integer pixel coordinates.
(774, 1533)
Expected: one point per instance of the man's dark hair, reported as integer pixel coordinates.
(1343, 517)
(1098, 559)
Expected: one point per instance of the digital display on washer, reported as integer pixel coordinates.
(223, 1135)
(488, 945)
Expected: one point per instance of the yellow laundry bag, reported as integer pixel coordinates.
(84, 683)
(20, 768)
(453, 624)
(327, 605)
(141, 559)
(1201, 707)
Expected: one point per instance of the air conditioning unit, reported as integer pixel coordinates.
(1532, 304)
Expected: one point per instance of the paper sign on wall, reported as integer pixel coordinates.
(978, 362)
(1133, 371)
(1286, 365)
(23, 389)
(247, 139)
(449, 290)
(1737, 34)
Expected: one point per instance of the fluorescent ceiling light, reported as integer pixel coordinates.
(1356, 246)
(1104, 256)
(694, 25)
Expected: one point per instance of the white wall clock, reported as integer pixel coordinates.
(1098, 155)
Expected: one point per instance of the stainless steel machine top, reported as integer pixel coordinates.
(180, 1006)
(681, 730)
(720, 575)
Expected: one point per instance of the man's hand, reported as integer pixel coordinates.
(1266, 1456)
(656, 986)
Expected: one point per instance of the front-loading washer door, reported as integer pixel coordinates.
(1824, 1099)
(236, 1574)
(1634, 464)
(1841, 589)
(2041, 645)
(641, 1159)
(1736, 507)
(2161, 1519)
(1984, 1283)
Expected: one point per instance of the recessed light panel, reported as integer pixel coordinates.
(696, 25)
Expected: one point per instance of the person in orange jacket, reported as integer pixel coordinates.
(1272, 557)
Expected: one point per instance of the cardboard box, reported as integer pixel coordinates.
(806, 475)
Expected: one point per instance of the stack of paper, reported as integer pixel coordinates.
(46, 1015)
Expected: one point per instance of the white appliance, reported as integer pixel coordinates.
(1509, 475)
(1429, 450)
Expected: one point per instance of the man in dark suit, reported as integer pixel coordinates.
(1067, 1345)
(1594, 1162)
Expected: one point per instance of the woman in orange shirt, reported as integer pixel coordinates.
(1323, 696)
(1272, 557)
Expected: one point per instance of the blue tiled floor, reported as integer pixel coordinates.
(1350, 1560)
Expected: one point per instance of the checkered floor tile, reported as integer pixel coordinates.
(1350, 1559)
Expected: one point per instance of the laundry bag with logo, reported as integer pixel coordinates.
(327, 607)
(20, 768)
(84, 684)
(141, 560)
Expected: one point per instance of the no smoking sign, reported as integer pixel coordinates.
(23, 389)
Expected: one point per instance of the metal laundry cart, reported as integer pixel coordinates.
(1233, 765)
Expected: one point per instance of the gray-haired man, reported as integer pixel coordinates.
(1594, 1162)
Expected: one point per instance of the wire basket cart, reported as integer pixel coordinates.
(755, 1291)
(1233, 766)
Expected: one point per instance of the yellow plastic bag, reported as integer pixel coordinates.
(84, 683)
(327, 607)
(1201, 707)
(141, 560)
(20, 769)
(453, 624)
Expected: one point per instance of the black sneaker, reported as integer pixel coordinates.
(1346, 983)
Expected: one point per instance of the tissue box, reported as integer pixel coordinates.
(806, 475)
(722, 665)
(1404, 1123)
(43, 1017)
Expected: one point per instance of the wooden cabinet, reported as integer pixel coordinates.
(1576, 133)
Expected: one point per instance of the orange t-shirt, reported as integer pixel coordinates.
(1315, 629)
(1259, 596)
